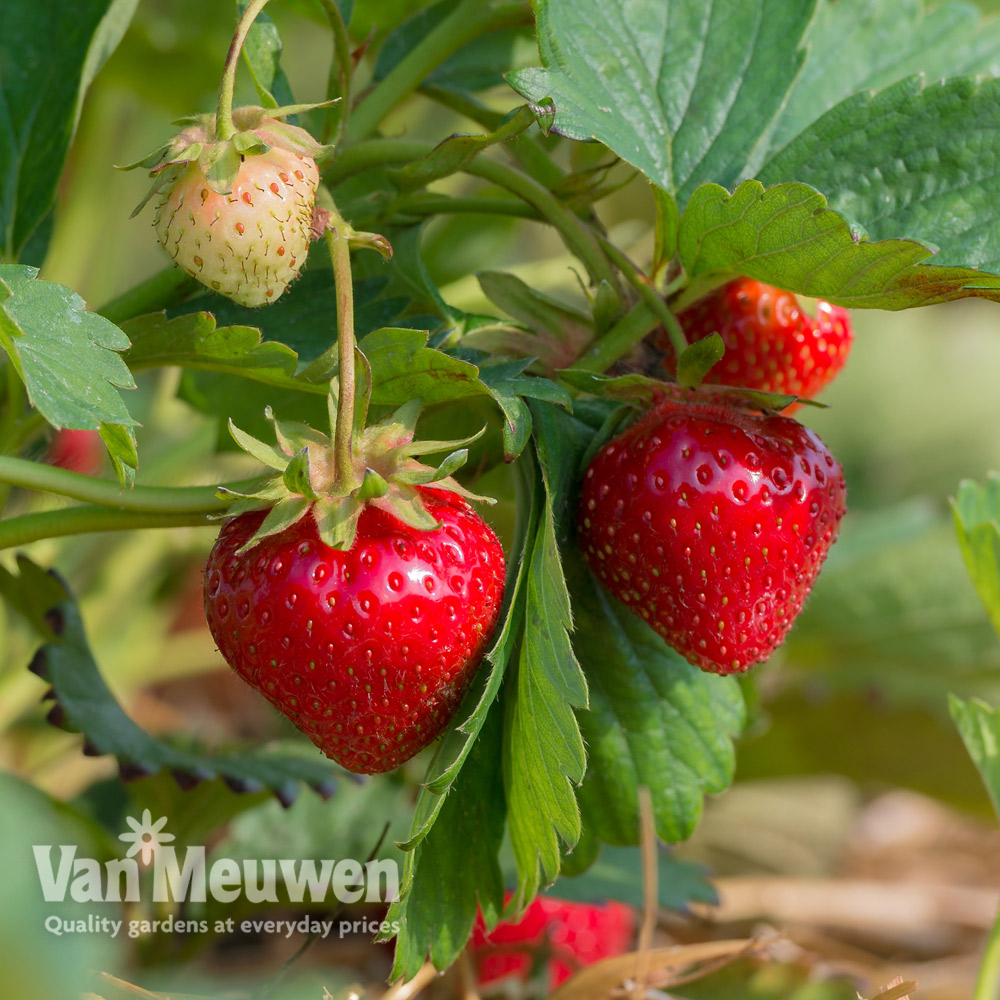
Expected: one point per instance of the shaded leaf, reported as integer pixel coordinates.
(977, 521)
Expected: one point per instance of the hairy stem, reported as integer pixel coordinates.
(577, 235)
(80, 520)
(646, 289)
(469, 20)
(224, 127)
(337, 236)
(620, 339)
(340, 73)
(145, 499)
(988, 982)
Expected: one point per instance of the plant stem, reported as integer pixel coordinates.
(620, 339)
(340, 254)
(644, 286)
(576, 234)
(161, 290)
(144, 499)
(80, 520)
(469, 20)
(988, 982)
(437, 204)
(340, 73)
(224, 127)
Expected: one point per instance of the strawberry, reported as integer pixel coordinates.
(712, 523)
(566, 936)
(237, 213)
(76, 450)
(772, 343)
(368, 651)
(358, 602)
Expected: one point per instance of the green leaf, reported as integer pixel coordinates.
(477, 66)
(304, 318)
(868, 44)
(50, 54)
(296, 478)
(454, 748)
(195, 341)
(451, 155)
(977, 521)
(403, 366)
(787, 236)
(438, 903)
(914, 159)
(558, 333)
(262, 55)
(544, 756)
(979, 725)
(668, 223)
(66, 357)
(654, 720)
(698, 359)
(84, 704)
(686, 91)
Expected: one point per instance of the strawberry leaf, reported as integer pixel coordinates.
(544, 755)
(979, 725)
(977, 520)
(262, 55)
(68, 359)
(436, 910)
(698, 359)
(787, 236)
(687, 91)
(914, 159)
(50, 55)
(84, 704)
(654, 720)
(869, 44)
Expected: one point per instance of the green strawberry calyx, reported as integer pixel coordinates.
(384, 470)
(257, 130)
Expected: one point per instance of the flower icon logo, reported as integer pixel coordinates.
(146, 837)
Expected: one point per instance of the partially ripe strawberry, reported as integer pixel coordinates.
(76, 450)
(772, 343)
(565, 936)
(712, 523)
(368, 651)
(238, 213)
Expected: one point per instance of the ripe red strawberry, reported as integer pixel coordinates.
(369, 650)
(76, 450)
(712, 523)
(772, 343)
(566, 936)
(237, 213)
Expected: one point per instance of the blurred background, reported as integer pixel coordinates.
(857, 826)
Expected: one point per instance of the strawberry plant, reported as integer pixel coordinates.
(455, 375)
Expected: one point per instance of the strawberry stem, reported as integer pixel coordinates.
(340, 73)
(647, 291)
(337, 235)
(224, 127)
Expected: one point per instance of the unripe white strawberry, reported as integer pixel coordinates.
(250, 243)
(239, 213)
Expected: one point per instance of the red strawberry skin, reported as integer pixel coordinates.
(712, 524)
(76, 450)
(367, 651)
(572, 935)
(771, 343)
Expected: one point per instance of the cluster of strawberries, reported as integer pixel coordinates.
(708, 519)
